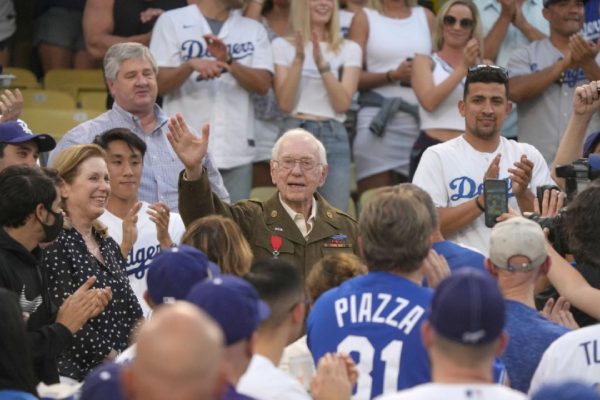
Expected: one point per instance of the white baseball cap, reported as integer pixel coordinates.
(518, 236)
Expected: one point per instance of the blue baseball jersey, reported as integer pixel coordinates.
(376, 318)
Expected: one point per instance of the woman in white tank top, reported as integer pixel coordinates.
(438, 80)
(316, 75)
(390, 35)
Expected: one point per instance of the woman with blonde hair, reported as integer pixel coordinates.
(438, 79)
(222, 241)
(316, 75)
(387, 125)
(83, 249)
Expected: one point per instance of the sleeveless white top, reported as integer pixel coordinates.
(393, 40)
(446, 115)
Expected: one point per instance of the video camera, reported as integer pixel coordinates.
(577, 176)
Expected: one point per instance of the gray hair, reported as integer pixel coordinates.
(120, 52)
(299, 132)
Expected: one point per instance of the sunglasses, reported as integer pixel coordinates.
(465, 23)
(474, 69)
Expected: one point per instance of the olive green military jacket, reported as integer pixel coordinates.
(268, 227)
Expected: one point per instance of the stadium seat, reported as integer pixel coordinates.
(364, 198)
(93, 100)
(54, 121)
(75, 81)
(37, 98)
(24, 78)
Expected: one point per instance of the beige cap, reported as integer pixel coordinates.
(518, 236)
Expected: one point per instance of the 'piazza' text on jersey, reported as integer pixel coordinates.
(383, 309)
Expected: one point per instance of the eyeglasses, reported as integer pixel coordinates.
(465, 23)
(306, 164)
(474, 69)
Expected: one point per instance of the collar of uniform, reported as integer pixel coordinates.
(161, 118)
(299, 218)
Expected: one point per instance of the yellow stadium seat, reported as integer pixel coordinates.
(37, 98)
(75, 80)
(24, 78)
(262, 193)
(352, 208)
(93, 100)
(365, 197)
(54, 121)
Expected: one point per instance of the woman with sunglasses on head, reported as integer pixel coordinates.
(438, 79)
(316, 75)
(387, 123)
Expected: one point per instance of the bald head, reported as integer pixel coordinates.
(177, 357)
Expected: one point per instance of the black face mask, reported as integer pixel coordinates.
(51, 231)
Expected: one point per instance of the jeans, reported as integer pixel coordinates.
(238, 181)
(334, 137)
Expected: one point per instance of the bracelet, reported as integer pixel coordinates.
(324, 69)
(229, 60)
(481, 208)
(388, 77)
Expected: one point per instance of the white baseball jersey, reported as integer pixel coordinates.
(145, 248)
(222, 102)
(462, 391)
(452, 173)
(573, 356)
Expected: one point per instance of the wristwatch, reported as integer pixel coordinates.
(324, 69)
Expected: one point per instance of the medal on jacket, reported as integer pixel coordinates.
(276, 242)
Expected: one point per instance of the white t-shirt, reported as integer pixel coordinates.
(452, 173)
(573, 356)
(459, 391)
(146, 246)
(222, 102)
(312, 96)
(265, 381)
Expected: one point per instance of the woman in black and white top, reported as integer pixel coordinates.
(84, 249)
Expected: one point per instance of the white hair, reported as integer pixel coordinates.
(301, 133)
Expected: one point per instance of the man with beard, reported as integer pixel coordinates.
(211, 60)
(453, 172)
(545, 74)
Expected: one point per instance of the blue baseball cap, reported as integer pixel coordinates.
(103, 383)
(568, 390)
(173, 272)
(468, 308)
(233, 303)
(15, 132)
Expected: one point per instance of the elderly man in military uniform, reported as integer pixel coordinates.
(296, 224)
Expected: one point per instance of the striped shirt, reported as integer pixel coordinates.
(161, 164)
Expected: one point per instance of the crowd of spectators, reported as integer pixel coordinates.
(134, 265)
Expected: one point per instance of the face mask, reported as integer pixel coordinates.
(51, 231)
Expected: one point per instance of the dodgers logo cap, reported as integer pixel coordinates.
(15, 132)
(173, 272)
(468, 308)
(103, 383)
(233, 303)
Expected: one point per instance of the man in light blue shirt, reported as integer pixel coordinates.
(130, 72)
(508, 25)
